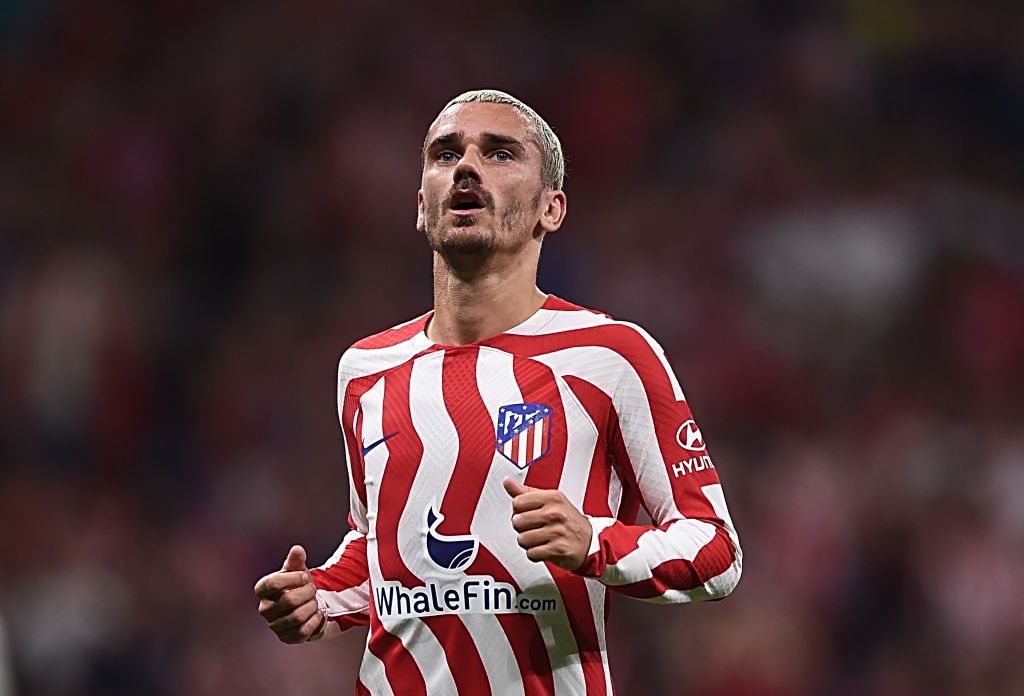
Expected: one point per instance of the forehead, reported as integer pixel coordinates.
(481, 117)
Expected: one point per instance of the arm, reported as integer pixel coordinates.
(301, 604)
(692, 551)
(343, 581)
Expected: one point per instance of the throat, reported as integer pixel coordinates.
(475, 309)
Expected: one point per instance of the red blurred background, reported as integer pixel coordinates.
(815, 206)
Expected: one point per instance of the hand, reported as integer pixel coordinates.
(288, 600)
(550, 527)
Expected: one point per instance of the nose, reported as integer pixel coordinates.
(468, 166)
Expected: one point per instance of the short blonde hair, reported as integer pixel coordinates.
(552, 166)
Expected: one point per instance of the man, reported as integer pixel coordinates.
(498, 451)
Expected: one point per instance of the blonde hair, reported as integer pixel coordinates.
(552, 167)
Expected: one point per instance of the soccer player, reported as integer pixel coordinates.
(499, 448)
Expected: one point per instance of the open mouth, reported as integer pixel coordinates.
(465, 203)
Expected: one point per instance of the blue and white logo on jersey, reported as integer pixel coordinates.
(453, 552)
(523, 433)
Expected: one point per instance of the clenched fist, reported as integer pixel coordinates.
(550, 527)
(288, 600)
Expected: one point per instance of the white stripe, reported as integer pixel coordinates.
(349, 601)
(614, 375)
(372, 406)
(614, 491)
(521, 454)
(492, 521)
(538, 433)
(354, 600)
(440, 442)
(597, 592)
(660, 352)
(507, 448)
(418, 640)
(654, 547)
(500, 662)
(355, 505)
(557, 321)
(371, 673)
(548, 321)
(428, 654)
(359, 362)
(581, 439)
(723, 584)
(598, 525)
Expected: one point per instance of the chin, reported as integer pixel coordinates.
(466, 238)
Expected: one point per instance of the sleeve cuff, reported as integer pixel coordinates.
(593, 565)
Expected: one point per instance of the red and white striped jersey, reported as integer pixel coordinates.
(569, 399)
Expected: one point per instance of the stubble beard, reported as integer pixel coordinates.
(468, 238)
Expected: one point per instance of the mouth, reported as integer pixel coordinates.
(466, 203)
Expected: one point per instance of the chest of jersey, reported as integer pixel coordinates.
(439, 435)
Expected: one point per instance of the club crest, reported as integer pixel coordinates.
(523, 433)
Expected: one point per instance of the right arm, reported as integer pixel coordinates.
(323, 602)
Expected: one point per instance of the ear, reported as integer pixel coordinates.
(552, 205)
(421, 222)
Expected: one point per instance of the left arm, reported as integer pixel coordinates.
(692, 551)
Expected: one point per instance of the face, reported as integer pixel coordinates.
(481, 191)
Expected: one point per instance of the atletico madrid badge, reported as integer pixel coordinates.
(524, 433)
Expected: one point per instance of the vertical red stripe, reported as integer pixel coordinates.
(598, 405)
(538, 384)
(474, 427)
(522, 632)
(405, 451)
(584, 627)
(354, 391)
(349, 571)
(402, 672)
(467, 667)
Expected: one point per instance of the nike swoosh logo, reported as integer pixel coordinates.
(367, 448)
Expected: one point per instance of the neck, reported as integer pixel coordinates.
(472, 306)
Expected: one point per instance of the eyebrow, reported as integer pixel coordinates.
(490, 139)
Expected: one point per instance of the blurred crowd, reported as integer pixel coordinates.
(816, 207)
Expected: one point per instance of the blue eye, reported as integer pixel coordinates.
(447, 156)
(503, 156)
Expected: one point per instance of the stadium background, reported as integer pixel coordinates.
(815, 206)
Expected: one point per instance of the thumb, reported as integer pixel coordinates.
(296, 559)
(514, 488)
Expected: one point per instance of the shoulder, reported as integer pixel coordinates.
(584, 327)
(383, 350)
(589, 342)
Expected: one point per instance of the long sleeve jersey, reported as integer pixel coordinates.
(570, 400)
